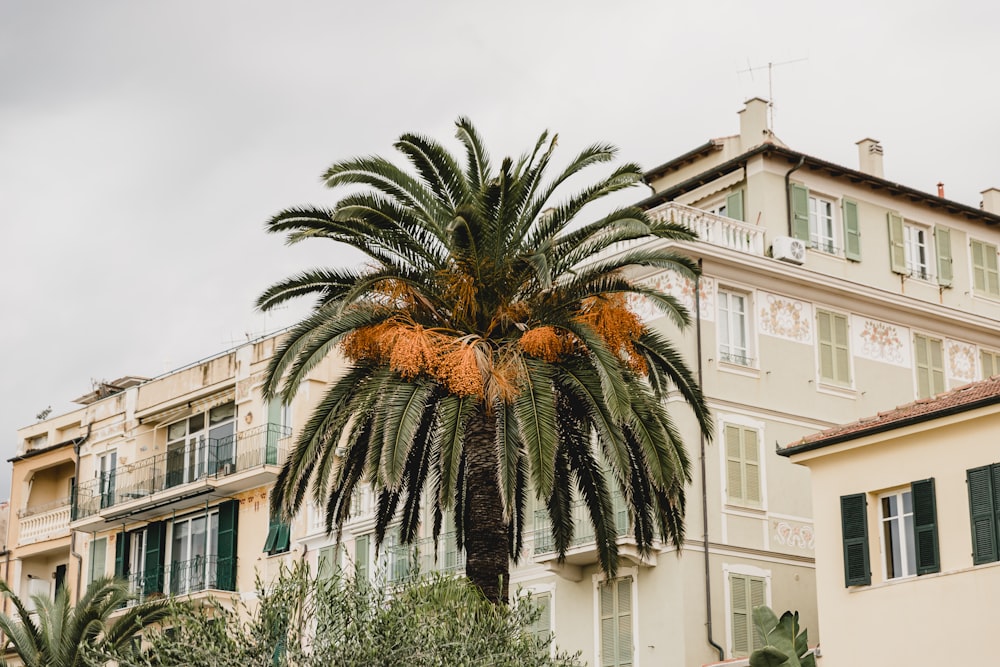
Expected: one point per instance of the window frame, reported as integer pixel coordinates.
(748, 571)
(911, 246)
(907, 533)
(987, 270)
(598, 580)
(824, 244)
(211, 555)
(745, 424)
(994, 356)
(723, 296)
(835, 345)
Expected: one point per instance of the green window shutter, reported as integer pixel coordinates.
(616, 622)
(824, 327)
(740, 612)
(225, 568)
(751, 466)
(541, 627)
(992, 274)
(942, 245)
(852, 231)
(842, 349)
(929, 362)
(936, 349)
(925, 526)
(361, 545)
(897, 244)
(800, 211)
(98, 559)
(734, 464)
(985, 277)
(156, 539)
(982, 514)
(854, 524)
(283, 539)
(328, 562)
(734, 205)
(609, 637)
(834, 347)
(742, 465)
(624, 602)
(121, 555)
(758, 592)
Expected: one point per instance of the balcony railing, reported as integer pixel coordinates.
(406, 561)
(44, 522)
(211, 459)
(583, 529)
(715, 229)
(184, 577)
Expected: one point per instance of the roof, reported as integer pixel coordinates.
(810, 163)
(963, 399)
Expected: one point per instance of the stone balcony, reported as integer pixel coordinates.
(715, 229)
(44, 522)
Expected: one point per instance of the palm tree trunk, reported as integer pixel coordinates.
(486, 562)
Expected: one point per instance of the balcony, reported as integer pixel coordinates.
(189, 577)
(582, 548)
(407, 561)
(183, 478)
(715, 229)
(44, 522)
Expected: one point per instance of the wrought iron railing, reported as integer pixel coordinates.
(213, 458)
(406, 561)
(184, 577)
(583, 529)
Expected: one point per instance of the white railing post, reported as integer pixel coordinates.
(715, 229)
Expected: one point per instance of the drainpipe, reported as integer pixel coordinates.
(788, 192)
(704, 486)
(72, 533)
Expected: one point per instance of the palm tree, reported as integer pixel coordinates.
(492, 353)
(57, 634)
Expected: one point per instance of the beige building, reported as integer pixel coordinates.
(828, 293)
(906, 502)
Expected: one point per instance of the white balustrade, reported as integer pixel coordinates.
(715, 229)
(44, 525)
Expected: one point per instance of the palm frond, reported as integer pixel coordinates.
(536, 419)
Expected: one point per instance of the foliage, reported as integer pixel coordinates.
(784, 645)
(340, 621)
(59, 634)
(492, 343)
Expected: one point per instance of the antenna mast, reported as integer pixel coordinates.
(770, 82)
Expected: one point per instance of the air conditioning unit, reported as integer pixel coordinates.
(789, 250)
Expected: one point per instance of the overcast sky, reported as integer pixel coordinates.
(143, 145)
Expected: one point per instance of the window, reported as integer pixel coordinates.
(615, 599)
(907, 529)
(915, 240)
(898, 550)
(989, 362)
(278, 538)
(200, 445)
(821, 230)
(541, 627)
(984, 484)
(362, 556)
(733, 328)
(328, 562)
(745, 593)
(732, 207)
(929, 356)
(106, 472)
(98, 559)
(985, 275)
(743, 485)
(202, 551)
(834, 348)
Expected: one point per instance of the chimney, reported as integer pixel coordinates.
(753, 123)
(941, 190)
(870, 157)
(991, 200)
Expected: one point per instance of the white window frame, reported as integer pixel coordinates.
(912, 247)
(907, 536)
(211, 552)
(750, 423)
(723, 295)
(995, 354)
(826, 243)
(599, 579)
(746, 571)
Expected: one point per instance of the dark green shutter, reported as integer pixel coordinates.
(852, 231)
(925, 526)
(942, 245)
(734, 205)
(854, 522)
(121, 555)
(282, 541)
(156, 538)
(225, 564)
(982, 514)
(897, 244)
(799, 204)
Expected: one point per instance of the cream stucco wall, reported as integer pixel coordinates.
(912, 620)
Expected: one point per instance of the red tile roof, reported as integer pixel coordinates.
(961, 399)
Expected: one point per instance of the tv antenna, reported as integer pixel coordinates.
(770, 82)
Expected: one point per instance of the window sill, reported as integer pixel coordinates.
(836, 390)
(986, 296)
(738, 369)
(744, 510)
